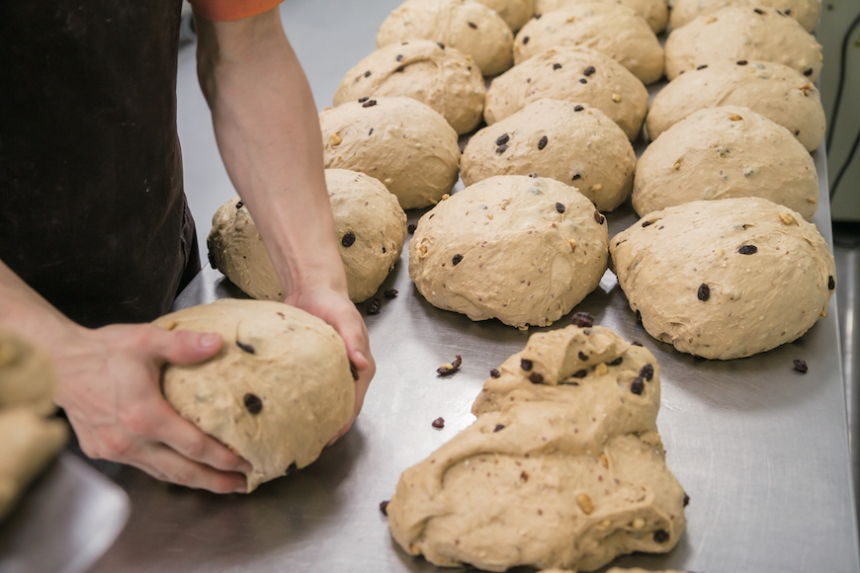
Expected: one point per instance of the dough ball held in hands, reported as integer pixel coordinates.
(468, 26)
(743, 34)
(775, 91)
(725, 279)
(571, 142)
(804, 11)
(655, 12)
(400, 141)
(521, 249)
(432, 73)
(607, 28)
(577, 75)
(515, 13)
(278, 391)
(370, 226)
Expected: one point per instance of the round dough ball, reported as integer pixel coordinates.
(276, 393)
(466, 25)
(655, 12)
(558, 74)
(515, 13)
(521, 249)
(398, 140)
(436, 75)
(608, 28)
(570, 142)
(725, 279)
(775, 91)
(723, 152)
(370, 227)
(26, 375)
(742, 34)
(804, 11)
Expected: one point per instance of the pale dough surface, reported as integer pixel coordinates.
(26, 375)
(777, 92)
(655, 12)
(571, 142)
(567, 472)
(611, 29)
(804, 11)
(743, 33)
(277, 399)
(468, 26)
(752, 302)
(519, 256)
(433, 73)
(722, 152)
(557, 74)
(515, 13)
(360, 204)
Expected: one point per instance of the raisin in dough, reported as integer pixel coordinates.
(515, 13)
(409, 147)
(466, 25)
(370, 227)
(434, 74)
(611, 29)
(276, 393)
(655, 12)
(742, 33)
(26, 375)
(559, 74)
(777, 92)
(725, 279)
(723, 152)
(521, 249)
(804, 11)
(562, 468)
(571, 142)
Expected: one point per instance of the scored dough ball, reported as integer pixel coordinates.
(804, 11)
(777, 92)
(276, 393)
(370, 227)
(655, 12)
(742, 33)
(725, 279)
(398, 140)
(559, 74)
(723, 152)
(521, 249)
(608, 28)
(467, 26)
(570, 142)
(515, 13)
(436, 75)
(26, 375)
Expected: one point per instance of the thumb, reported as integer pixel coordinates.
(185, 347)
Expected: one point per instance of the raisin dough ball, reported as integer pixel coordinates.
(725, 279)
(369, 223)
(723, 152)
(398, 140)
(608, 28)
(577, 75)
(563, 466)
(777, 92)
(436, 75)
(276, 393)
(743, 33)
(804, 11)
(465, 25)
(571, 142)
(515, 13)
(655, 12)
(521, 249)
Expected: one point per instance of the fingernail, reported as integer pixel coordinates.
(360, 355)
(244, 467)
(208, 341)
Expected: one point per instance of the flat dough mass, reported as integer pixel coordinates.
(571, 142)
(804, 11)
(523, 250)
(566, 470)
(278, 391)
(725, 279)
(26, 375)
(722, 152)
(655, 12)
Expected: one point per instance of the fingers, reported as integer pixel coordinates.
(163, 463)
(184, 346)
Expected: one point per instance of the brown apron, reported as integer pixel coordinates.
(92, 212)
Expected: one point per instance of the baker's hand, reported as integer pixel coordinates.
(336, 309)
(108, 383)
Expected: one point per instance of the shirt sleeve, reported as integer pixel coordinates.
(227, 10)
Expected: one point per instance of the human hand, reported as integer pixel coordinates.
(108, 381)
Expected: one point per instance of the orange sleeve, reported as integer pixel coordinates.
(227, 10)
